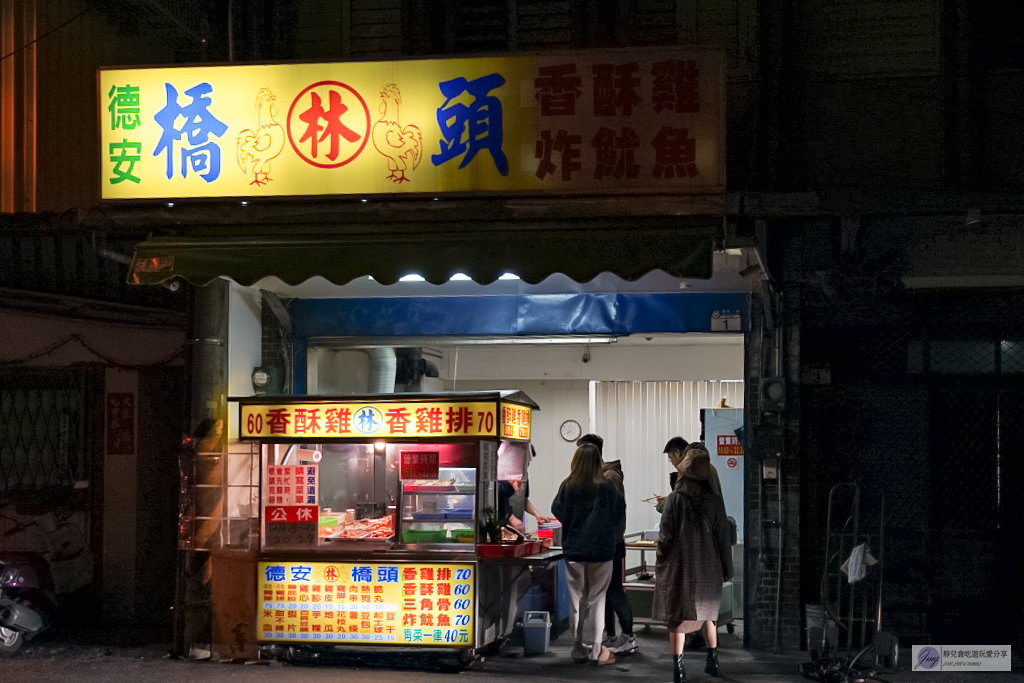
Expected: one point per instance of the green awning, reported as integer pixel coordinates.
(628, 248)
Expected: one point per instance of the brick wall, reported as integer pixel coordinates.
(772, 604)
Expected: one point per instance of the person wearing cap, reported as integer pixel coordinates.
(694, 558)
(675, 449)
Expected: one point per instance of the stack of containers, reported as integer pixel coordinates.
(552, 530)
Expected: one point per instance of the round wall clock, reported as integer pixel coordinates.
(570, 430)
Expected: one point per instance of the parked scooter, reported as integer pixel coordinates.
(33, 584)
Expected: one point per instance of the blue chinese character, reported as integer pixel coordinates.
(364, 574)
(367, 421)
(310, 500)
(476, 126)
(204, 156)
(274, 572)
(301, 573)
(311, 470)
(311, 480)
(387, 574)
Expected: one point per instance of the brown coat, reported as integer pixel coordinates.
(694, 551)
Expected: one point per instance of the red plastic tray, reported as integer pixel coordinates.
(533, 547)
(501, 549)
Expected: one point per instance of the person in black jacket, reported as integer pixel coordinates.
(590, 509)
(616, 602)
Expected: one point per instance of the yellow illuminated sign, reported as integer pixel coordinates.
(515, 421)
(367, 603)
(613, 121)
(433, 420)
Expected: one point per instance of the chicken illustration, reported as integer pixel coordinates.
(257, 149)
(400, 146)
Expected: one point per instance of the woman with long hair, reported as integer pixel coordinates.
(590, 508)
(694, 558)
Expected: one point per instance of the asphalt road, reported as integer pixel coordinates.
(56, 661)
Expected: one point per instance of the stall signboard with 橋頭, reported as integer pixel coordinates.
(408, 604)
(596, 122)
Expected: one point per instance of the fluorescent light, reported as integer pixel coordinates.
(459, 277)
(509, 276)
(523, 340)
(412, 277)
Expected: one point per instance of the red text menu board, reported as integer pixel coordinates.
(420, 464)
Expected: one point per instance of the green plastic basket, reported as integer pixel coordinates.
(423, 536)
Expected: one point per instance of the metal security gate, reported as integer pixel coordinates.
(977, 479)
(936, 422)
(43, 444)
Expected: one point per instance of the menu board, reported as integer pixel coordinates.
(408, 604)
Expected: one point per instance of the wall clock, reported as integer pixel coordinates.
(570, 430)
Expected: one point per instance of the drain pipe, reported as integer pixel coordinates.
(383, 368)
(112, 255)
(777, 647)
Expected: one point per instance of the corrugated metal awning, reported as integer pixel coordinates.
(581, 249)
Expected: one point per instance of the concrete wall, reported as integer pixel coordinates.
(245, 337)
(608, 362)
(23, 334)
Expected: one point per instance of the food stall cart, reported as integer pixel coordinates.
(371, 519)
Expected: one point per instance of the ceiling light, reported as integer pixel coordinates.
(509, 276)
(412, 277)
(528, 340)
(459, 277)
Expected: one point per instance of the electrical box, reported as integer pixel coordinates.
(770, 469)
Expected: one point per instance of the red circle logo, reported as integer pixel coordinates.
(732, 463)
(331, 573)
(328, 124)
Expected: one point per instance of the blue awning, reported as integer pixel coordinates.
(525, 315)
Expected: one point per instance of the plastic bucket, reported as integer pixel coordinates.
(536, 633)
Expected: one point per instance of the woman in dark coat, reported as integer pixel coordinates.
(590, 509)
(694, 559)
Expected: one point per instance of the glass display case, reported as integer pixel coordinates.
(441, 509)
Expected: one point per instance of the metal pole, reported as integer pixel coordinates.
(231, 30)
(825, 581)
(778, 568)
(208, 401)
(853, 586)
